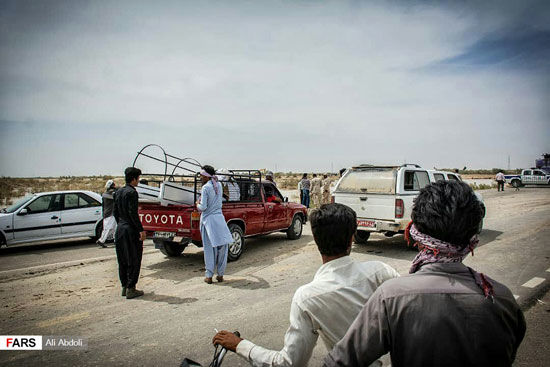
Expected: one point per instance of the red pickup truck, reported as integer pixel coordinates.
(247, 210)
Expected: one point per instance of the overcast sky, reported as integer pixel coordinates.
(285, 85)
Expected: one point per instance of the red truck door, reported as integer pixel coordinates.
(275, 213)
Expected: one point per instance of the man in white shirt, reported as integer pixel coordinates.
(328, 305)
(499, 178)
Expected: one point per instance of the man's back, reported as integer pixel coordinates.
(338, 292)
(326, 306)
(437, 316)
(316, 185)
(126, 207)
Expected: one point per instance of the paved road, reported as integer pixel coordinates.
(69, 291)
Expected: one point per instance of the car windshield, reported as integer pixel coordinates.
(18, 204)
(378, 180)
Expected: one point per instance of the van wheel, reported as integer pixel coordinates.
(235, 248)
(98, 231)
(170, 248)
(361, 237)
(295, 230)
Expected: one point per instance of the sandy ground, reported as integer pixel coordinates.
(76, 293)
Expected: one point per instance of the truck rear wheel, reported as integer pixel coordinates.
(516, 183)
(295, 230)
(235, 248)
(361, 237)
(170, 248)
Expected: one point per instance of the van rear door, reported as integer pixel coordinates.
(369, 191)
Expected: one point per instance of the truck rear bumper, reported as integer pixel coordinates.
(383, 225)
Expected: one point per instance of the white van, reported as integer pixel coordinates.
(383, 196)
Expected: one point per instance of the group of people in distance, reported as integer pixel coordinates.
(443, 313)
(314, 192)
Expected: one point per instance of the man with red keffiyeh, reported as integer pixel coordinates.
(443, 313)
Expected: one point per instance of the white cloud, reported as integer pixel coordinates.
(352, 77)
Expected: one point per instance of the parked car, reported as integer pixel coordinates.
(532, 176)
(51, 216)
(173, 226)
(383, 196)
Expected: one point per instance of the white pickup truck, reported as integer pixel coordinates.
(382, 196)
(532, 176)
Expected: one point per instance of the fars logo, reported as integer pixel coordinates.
(20, 342)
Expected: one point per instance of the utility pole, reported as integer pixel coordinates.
(508, 162)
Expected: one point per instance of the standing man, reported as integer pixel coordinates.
(329, 303)
(215, 235)
(500, 181)
(443, 313)
(304, 185)
(269, 178)
(316, 190)
(129, 235)
(109, 222)
(326, 189)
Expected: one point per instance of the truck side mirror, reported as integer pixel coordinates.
(23, 211)
(285, 199)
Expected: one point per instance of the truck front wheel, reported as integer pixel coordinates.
(295, 230)
(170, 248)
(361, 237)
(235, 249)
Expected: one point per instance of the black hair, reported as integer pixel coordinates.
(304, 175)
(209, 169)
(131, 173)
(315, 175)
(333, 226)
(448, 211)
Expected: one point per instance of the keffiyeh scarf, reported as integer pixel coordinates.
(214, 179)
(432, 250)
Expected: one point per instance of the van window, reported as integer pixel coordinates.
(415, 180)
(374, 180)
(439, 177)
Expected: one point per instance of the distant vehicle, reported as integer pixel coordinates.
(531, 176)
(52, 216)
(383, 196)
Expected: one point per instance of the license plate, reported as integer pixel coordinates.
(164, 235)
(366, 223)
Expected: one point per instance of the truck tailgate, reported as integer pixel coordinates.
(155, 218)
(369, 206)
